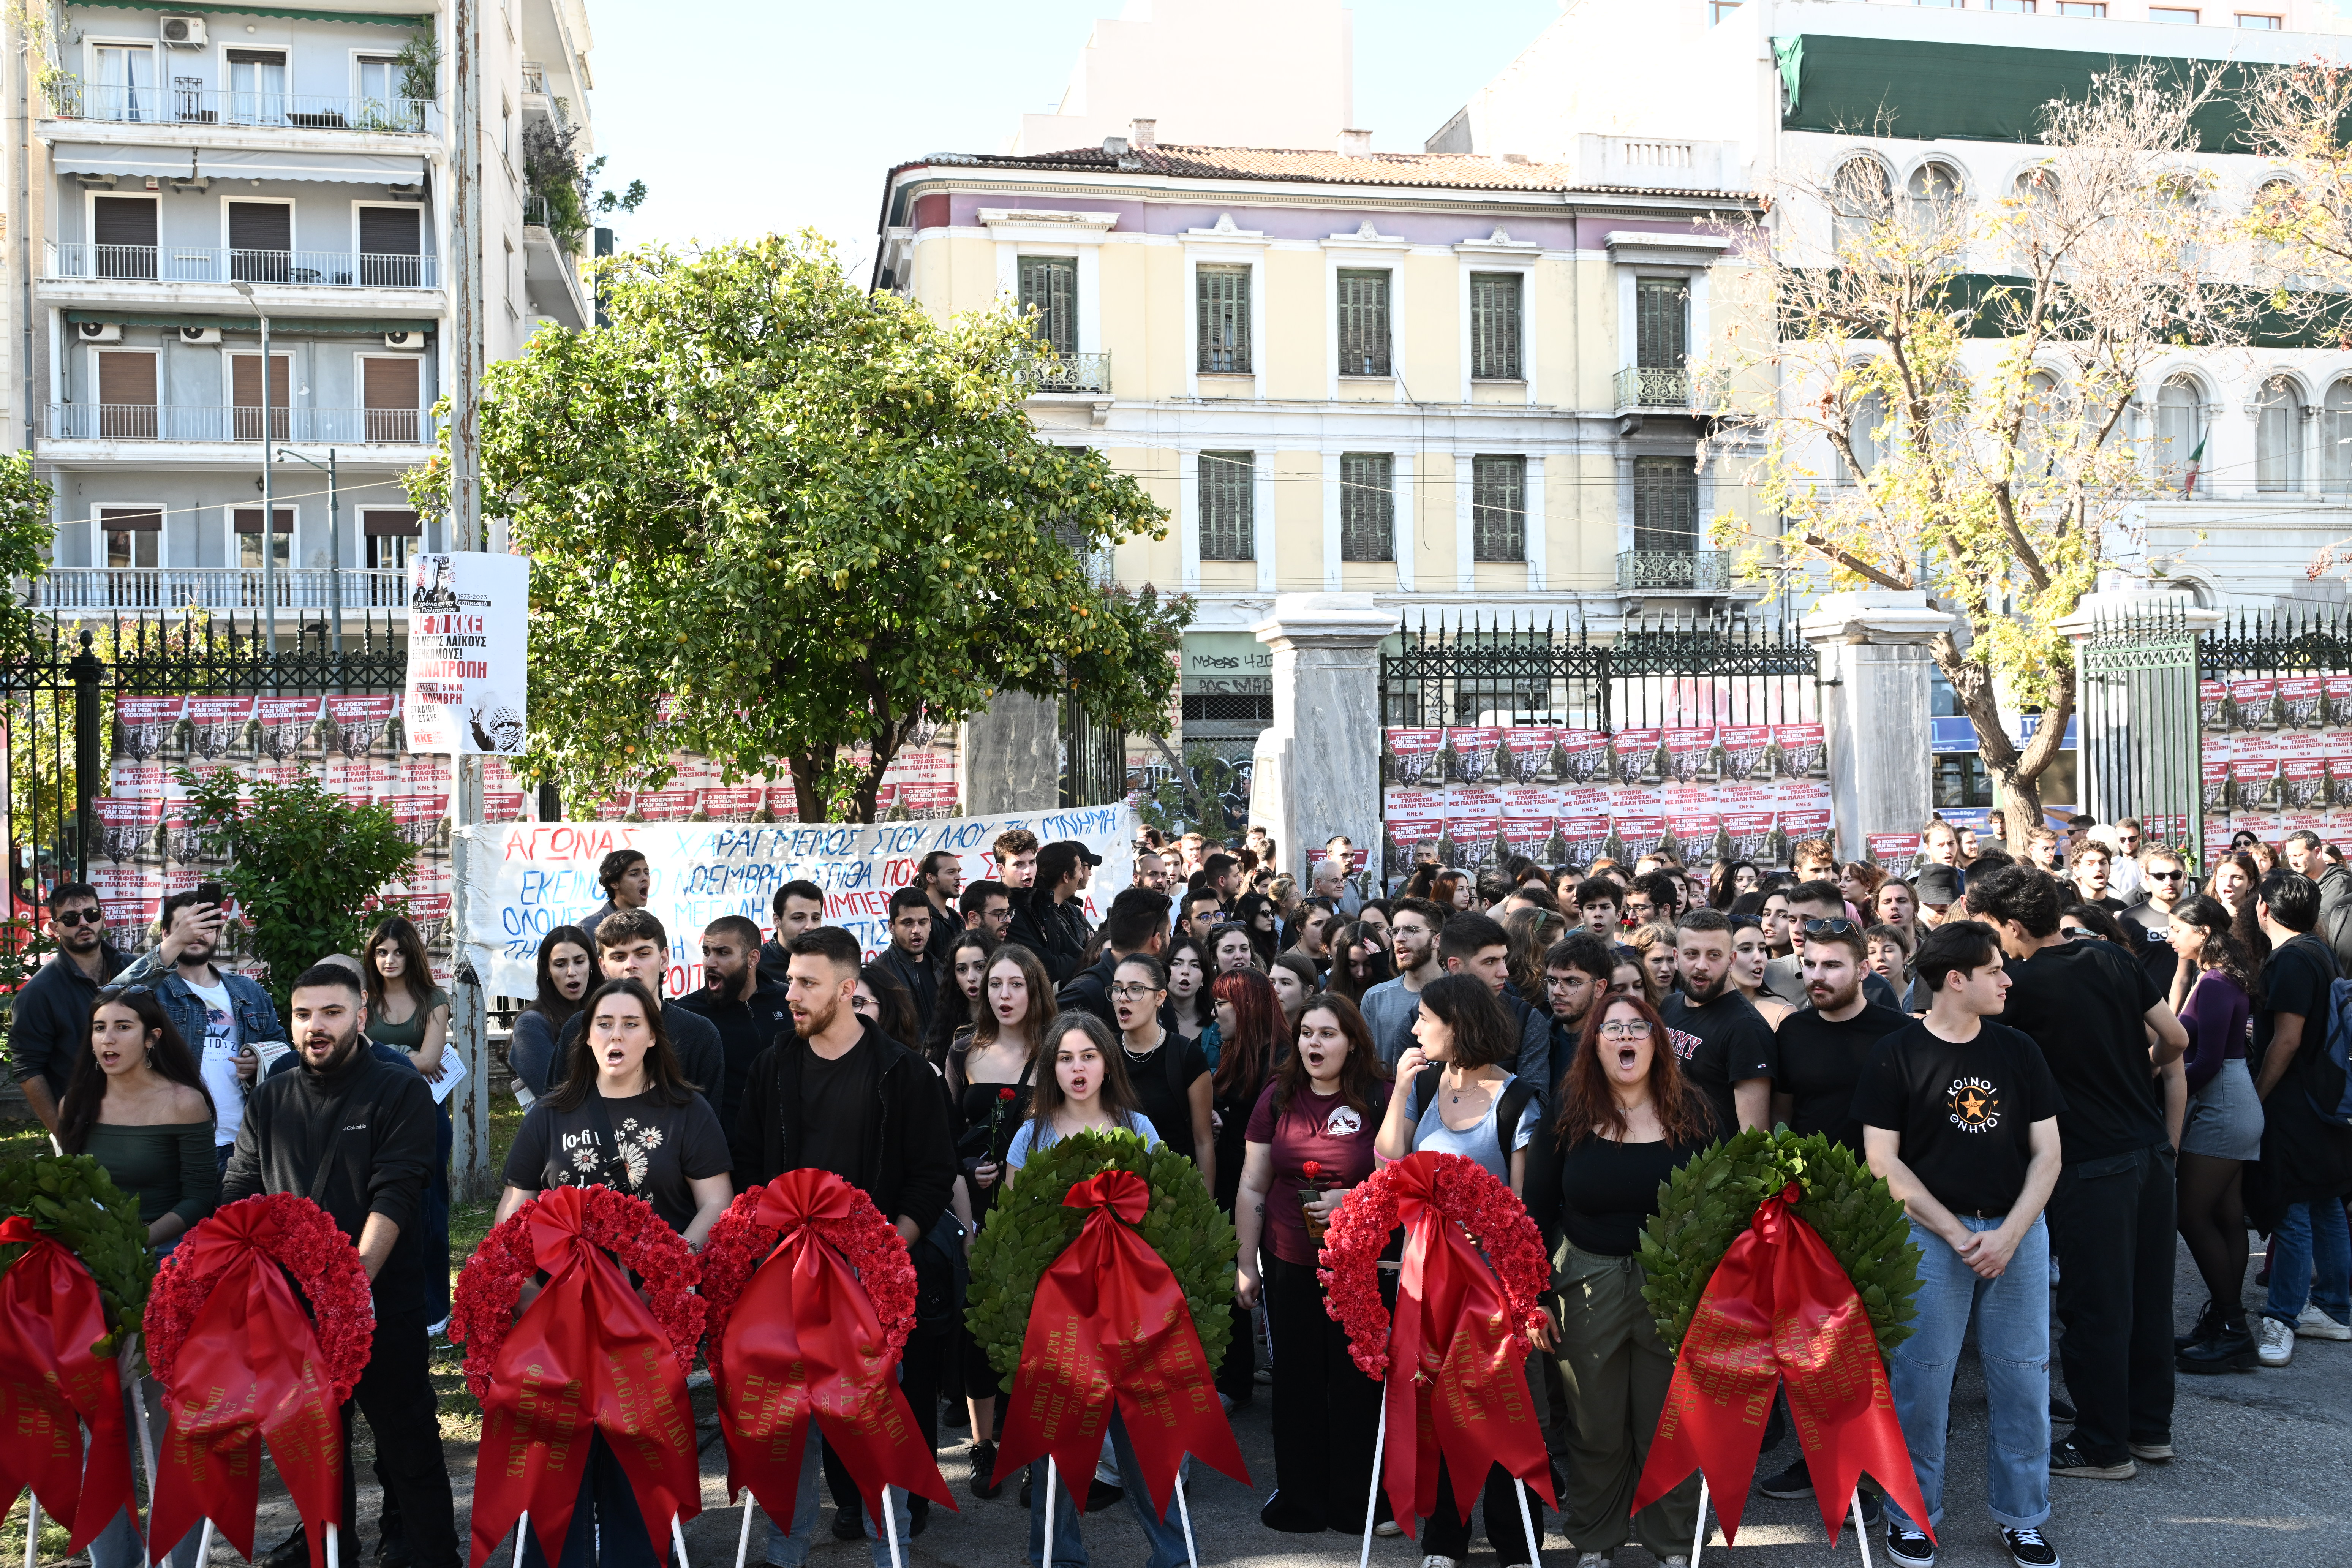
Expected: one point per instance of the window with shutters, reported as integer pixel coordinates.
(123, 228)
(1225, 320)
(1049, 294)
(391, 247)
(1498, 509)
(1495, 325)
(392, 533)
(126, 394)
(134, 535)
(388, 388)
(246, 520)
(1666, 505)
(1228, 506)
(1367, 505)
(1363, 322)
(245, 388)
(1661, 322)
(261, 242)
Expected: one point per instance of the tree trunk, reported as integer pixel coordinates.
(2018, 771)
(809, 771)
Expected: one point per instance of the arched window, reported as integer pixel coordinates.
(2027, 220)
(1861, 196)
(2335, 438)
(2278, 438)
(1935, 190)
(2179, 201)
(2036, 453)
(2180, 433)
(1863, 434)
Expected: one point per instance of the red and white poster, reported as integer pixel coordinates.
(666, 805)
(2251, 702)
(1796, 825)
(1749, 832)
(1412, 756)
(1585, 836)
(1473, 820)
(1801, 750)
(1696, 834)
(736, 803)
(2212, 705)
(1896, 853)
(1584, 756)
(126, 825)
(1634, 755)
(360, 724)
(1415, 822)
(1526, 753)
(1641, 831)
(144, 724)
(1529, 813)
(1747, 752)
(1690, 754)
(1471, 749)
(217, 725)
(2302, 774)
(2302, 702)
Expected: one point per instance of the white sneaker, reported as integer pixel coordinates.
(1388, 1527)
(2316, 1324)
(1437, 1562)
(2273, 1341)
(1591, 1560)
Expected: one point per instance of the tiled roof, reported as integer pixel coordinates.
(1459, 171)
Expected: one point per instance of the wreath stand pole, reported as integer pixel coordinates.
(1372, 1501)
(1183, 1512)
(1053, 1480)
(743, 1537)
(1860, 1534)
(890, 1528)
(32, 1526)
(1699, 1540)
(523, 1533)
(676, 1534)
(334, 1542)
(204, 1546)
(1528, 1523)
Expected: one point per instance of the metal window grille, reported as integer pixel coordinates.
(1661, 322)
(1498, 509)
(1225, 320)
(1049, 287)
(1363, 323)
(1495, 326)
(1228, 506)
(1665, 504)
(1367, 505)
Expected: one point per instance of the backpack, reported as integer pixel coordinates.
(1507, 1109)
(2327, 1075)
(2335, 927)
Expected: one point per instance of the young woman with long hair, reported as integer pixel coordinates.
(2232, 884)
(964, 968)
(623, 1117)
(1531, 931)
(1322, 1110)
(1295, 980)
(1188, 987)
(1360, 961)
(406, 1011)
(2212, 991)
(1256, 1034)
(884, 997)
(137, 1104)
(1627, 1121)
(1457, 892)
(1750, 954)
(1255, 913)
(567, 972)
(1860, 881)
(1656, 943)
(991, 1066)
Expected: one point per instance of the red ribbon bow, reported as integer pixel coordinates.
(805, 1343)
(585, 1357)
(1109, 1322)
(51, 1381)
(1457, 1385)
(1780, 1308)
(250, 1371)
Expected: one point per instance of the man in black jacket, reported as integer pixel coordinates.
(797, 907)
(357, 1136)
(940, 878)
(632, 944)
(746, 1008)
(1046, 919)
(48, 1029)
(841, 1096)
(909, 956)
(1138, 922)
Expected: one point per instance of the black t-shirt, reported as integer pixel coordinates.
(1819, 1064)
(664, 1148)
(2084, 1004)
(2296, 978)
(1169, 1106)
(1965, 1111)
(1724, 1043)
(1609, 1190)
(2157, 955)
(837, 1102)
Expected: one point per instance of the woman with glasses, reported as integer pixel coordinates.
(1256, 1038)
(1169, 1074)
(2212, 992)
(1627, 1122)
(1255, 913)
(1749, 954)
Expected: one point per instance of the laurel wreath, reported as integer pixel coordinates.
(71, 1197)
(1029, 1228)
(1706, 1203)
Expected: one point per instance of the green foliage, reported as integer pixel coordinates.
(25, 537)
(303, 864)
(816, 515)
(71, 1198)
(1708, 1202)
(1029, 1228)
(420, 67)
(1204, 792)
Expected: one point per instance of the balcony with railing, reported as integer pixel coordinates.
(165, 588)
(74, 98)
(1070, 372)
(1644, 388)
(182, 422)
(1674, 571)
(203, 264)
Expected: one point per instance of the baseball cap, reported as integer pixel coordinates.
(1940, 885)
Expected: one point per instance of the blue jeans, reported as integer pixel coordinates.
(1164, 1536)
(2313, 1262)
(790, 1549)
(607, 1527)
(2013, 1320)
(120, 1545)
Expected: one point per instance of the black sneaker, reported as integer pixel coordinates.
(918, 1516)
(2028, 1550)
(2067, 1459)
(1873, 1509)
(294, 1551)
(2059, 1410)
(984, 1469)
(1281, 1514)
(2228, 1348)
(847, 1524)
(1796, 1481)
(1909, 1546)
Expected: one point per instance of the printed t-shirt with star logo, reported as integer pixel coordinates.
(1965, 1111)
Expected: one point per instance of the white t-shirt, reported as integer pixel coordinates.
(217, 1057)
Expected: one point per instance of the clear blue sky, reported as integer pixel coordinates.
(747, 116)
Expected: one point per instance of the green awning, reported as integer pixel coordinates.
(371, 18)
(1990, 301)
(293, 326)
(1925, 91)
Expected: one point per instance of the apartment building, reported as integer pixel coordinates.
(1457, 383)
(190, 174)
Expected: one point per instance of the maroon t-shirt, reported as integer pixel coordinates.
(1322, 1128)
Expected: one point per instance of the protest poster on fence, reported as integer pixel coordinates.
(466, 672)
(526, 878)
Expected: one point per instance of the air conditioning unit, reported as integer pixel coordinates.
(184, 32)
(200, 334)
(97, 331)
(403, 340)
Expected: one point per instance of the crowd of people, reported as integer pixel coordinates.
(2058, 1063)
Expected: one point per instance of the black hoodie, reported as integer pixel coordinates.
(910, 1164)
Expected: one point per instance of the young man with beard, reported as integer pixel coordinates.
(631, 943)
(2165, 881)
(738, 1001)
(797, 907)
(357, 1136)
(940, 878)
(843, 1097)
(908, 958)
(49, 1024)
(986, 906)
(219, 1014)
(1722, 1041)
(2093, 862)
(2092, 1008)
(1389, 1007)
(1810, 904)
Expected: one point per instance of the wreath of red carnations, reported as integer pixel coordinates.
(482, 1309)
(1468, 1194)
(869, 1244)
(309, 1245)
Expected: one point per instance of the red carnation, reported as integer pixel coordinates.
(1005, 1093)
(1313, 1168)
(304, 1240)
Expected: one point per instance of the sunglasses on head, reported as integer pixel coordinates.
(1836, 925)
(116, 992)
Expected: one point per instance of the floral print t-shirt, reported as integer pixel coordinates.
(664, 1149)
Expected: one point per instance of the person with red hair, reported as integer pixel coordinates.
(1255, 1039)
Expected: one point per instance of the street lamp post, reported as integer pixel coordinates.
(334, 545)
(269, 479)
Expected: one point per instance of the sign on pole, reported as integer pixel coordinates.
(468, 613)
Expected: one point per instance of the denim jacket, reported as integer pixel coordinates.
(257, 1016)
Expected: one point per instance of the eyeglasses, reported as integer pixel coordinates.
(1635, 1030)
(1836, 925)
(116, 992)
(2166, 876)
(1131, 993)
(80, 917)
